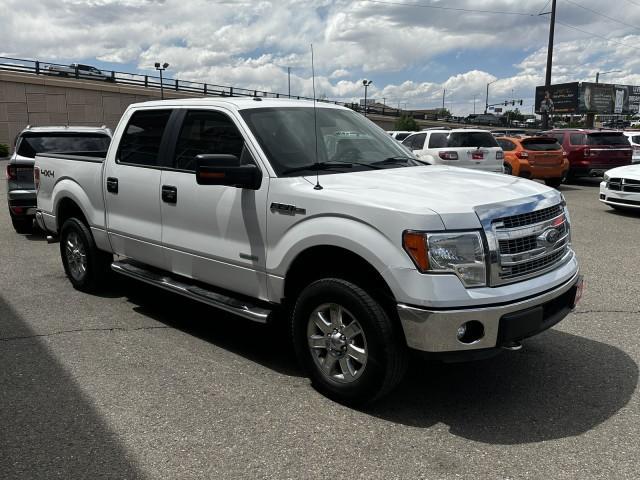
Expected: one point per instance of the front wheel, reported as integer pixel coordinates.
(85, 265)
(553, 182)
(352, 350)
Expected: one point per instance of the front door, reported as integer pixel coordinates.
(215, 234)
(132, 188)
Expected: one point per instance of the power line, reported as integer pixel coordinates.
(542, 9)
(438, 7)
(602, 14)
(595, 35)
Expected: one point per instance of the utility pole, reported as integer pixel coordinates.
(443, 94)
(547, 82)
(289, 79)
(486, 103)
(475, 95)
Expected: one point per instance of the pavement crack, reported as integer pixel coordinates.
(80, 330)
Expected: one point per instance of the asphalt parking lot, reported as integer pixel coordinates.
(138, 383)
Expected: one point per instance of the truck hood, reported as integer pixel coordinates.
(629, 171)
(453, 193)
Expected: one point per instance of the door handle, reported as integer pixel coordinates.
(112, 185)
(169, 194)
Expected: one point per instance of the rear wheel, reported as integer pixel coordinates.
(347, 343)
(508, 169)
(22, 225)
(85, 265)
(553, 182)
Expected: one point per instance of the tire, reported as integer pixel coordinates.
(508, 170)
(86, 267)
(366, 350)
(22, 225)
(553, 182)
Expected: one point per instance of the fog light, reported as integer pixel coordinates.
(470, 332)
(462, 329)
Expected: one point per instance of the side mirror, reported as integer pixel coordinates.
(219, 169)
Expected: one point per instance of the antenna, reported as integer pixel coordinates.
(315, 121)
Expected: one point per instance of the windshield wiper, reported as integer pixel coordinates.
(318, 166)
(399, 160)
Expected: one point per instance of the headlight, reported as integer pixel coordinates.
(605, 177)
(459, 253)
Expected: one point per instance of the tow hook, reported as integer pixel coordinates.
(52, 239)
(512, 346)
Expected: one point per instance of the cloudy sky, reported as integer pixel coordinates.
(411, 49)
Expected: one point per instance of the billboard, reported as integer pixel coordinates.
(560, 98)
(586, 97)
(370, 101)
(609, 98)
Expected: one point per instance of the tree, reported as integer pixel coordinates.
(406, 123)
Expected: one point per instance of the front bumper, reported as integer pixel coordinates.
(618, 198)
(22, 202)
(430, 330)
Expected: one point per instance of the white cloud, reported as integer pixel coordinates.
(251, 43)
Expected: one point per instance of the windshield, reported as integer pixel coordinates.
(346, 141)
(607, 139)
(540, 144)
(32, 144)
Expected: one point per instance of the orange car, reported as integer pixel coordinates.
(535, 157)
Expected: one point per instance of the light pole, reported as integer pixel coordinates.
(604, 73)
(475, 95)
(365, 84)
(486, 103)
(161, 69)
(289, 79)
(547, 80)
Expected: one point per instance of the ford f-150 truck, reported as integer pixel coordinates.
(274, 208)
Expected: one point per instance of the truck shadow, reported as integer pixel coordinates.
(559, 385)
(49, 427)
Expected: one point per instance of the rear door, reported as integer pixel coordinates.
(478, 150)
(608, 149)
(213, 233)
(543, 152)
(132, 187)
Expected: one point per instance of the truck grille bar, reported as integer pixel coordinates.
(624, 185)
(526, 240)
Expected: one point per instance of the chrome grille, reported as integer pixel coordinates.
(529, 244)
(528, 218)
(624, 185)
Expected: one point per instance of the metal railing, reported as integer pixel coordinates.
(38, 67)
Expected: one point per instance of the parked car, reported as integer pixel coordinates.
(486, 119)
(83, 71)
(634, 141)
(459, 147)
(535, 158)
(592, 152)
(361, 248)
(399, 135)
(620, 188)
(21, 193)
(508, 132)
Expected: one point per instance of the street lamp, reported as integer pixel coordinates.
(486, 103)
(604, 73)
(365, 84)
(161, 69)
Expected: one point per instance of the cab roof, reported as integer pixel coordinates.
(236, 103)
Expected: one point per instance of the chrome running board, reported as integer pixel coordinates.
(162, 279)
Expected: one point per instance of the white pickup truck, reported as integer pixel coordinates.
(272, 208)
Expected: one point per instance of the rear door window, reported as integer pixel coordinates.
(577, 139)
(438, 140)
(402, 136)
(506, 145)
(417, 142)
(140, 142)
(471, 139)
(609, 138)
(635, 139)
(206, 132)
(32, 144)
(541, 144)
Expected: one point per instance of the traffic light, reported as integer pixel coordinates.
(506, 103)
(513, 102)
(520, 102)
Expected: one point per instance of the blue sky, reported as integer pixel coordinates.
(411, 50)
